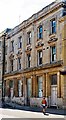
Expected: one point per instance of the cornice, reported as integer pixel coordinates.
(35, 17)
(45, 66)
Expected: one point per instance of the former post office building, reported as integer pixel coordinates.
(35, 59)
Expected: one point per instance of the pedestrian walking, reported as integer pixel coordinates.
(44, 105)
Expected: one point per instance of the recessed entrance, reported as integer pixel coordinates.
(54, 90)
(53, 95)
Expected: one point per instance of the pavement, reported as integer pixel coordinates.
(33, 109)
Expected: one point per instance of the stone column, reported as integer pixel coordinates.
(63, 90)
(58, 85)
(7, 88)
(23, 87)
(15, 87)
(34, 85)
(25, 90)
(47, 85)
(44, 84)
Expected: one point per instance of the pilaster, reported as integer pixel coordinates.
(34, 85)
(58, 85)
(47, 85)
(44, 85)
(15, 87)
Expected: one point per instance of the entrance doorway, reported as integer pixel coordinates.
(54, 90)
(53, 95)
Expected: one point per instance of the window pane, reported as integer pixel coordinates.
(40, 86)
(39, 57)
(19, 88)
(20, 42)
(54, 80)
(29, 87)
(40, 31)
(29, 38)
(53, 53)
(53, 26)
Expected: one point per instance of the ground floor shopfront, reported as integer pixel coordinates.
(29, 87)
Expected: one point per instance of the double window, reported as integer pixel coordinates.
(53, 26)
(53, 53)
(39, 57)
(29, 38)
(40, 32)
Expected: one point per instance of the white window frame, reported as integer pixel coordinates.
(39, 57)
(52, 54)
(20, 42)
(53, 26)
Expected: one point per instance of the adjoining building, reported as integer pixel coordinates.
(2, 53)
(35, 60)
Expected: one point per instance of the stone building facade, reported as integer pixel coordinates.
(2, 35)
(35, 60)
(0, 64)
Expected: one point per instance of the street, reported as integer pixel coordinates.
(12, 113)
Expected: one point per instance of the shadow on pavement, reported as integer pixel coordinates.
(34, 109)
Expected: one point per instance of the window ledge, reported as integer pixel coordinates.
(39, 39)
(52, 40)
(52, 35)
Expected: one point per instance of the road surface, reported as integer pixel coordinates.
(12, 113)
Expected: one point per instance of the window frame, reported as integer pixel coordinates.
(20, 88)
(53, 55)
(40, 81)
(40, 32)
(54, 79)
(29, 60)
(38, 56)
(19, 63)
(12, 45)
(53, 26)
(29, 35)
(5, 66)
(12, 65)
(20, 42)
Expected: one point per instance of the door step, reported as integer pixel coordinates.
(53, 107)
